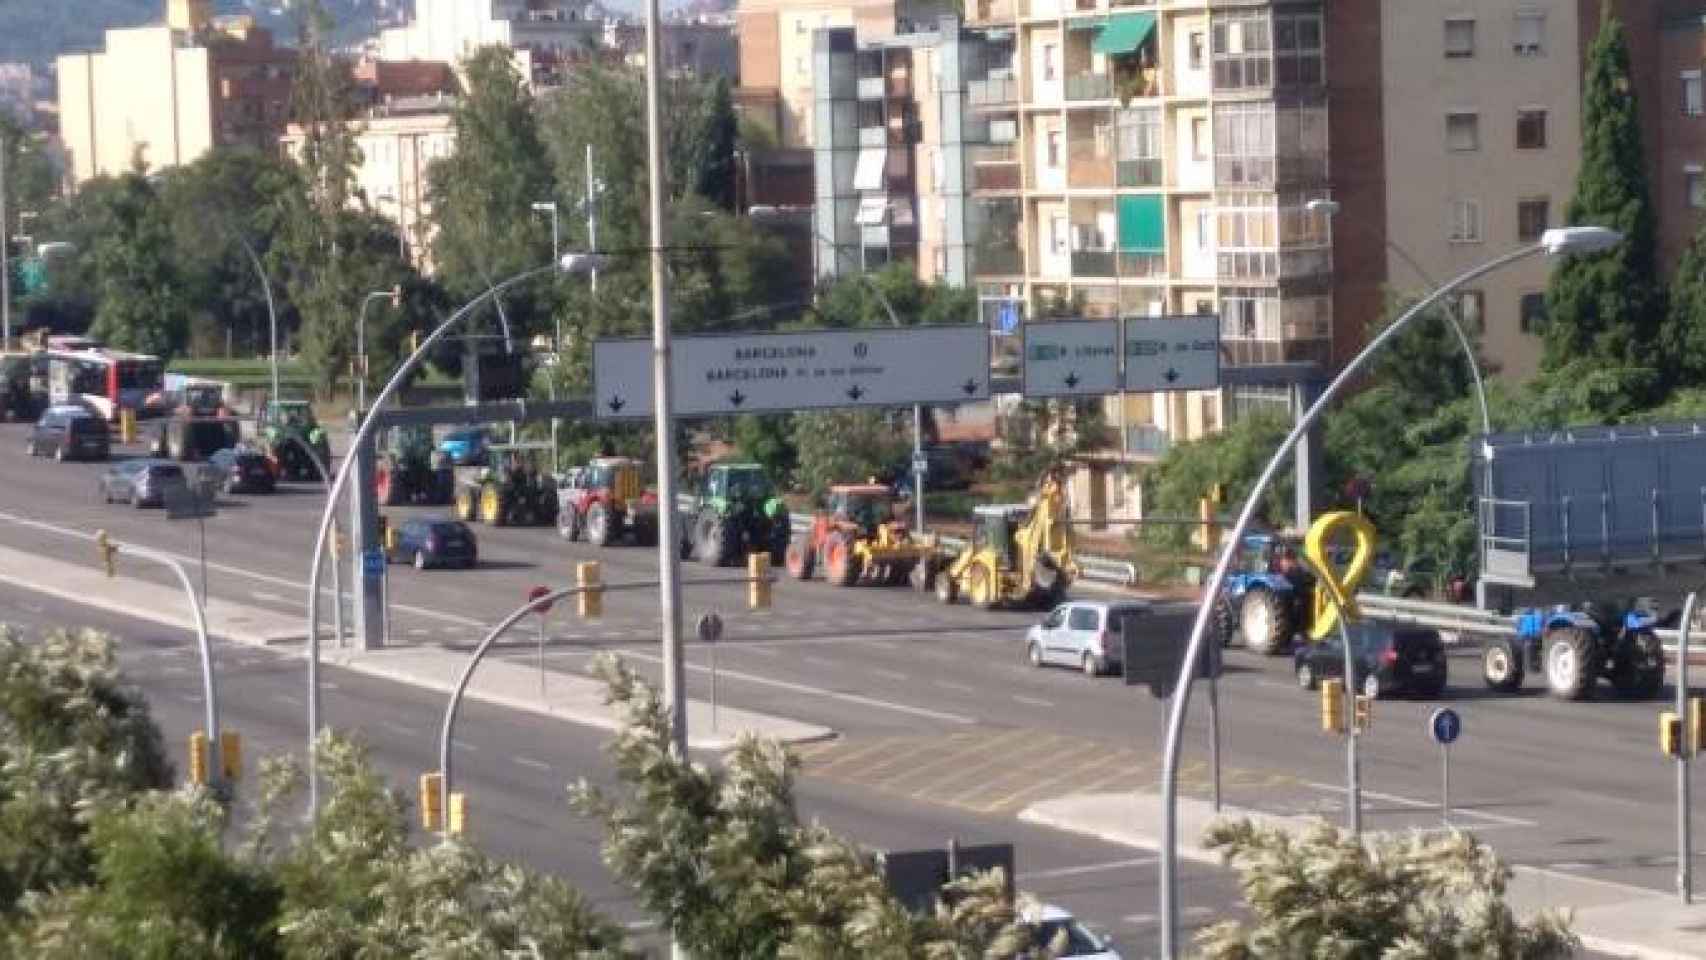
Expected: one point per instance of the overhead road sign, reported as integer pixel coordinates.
(1072, 358)
(761, 372)
(1172, 353)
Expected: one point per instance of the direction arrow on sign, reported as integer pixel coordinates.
(1072, 358)
(1172, 353)
(755, 372)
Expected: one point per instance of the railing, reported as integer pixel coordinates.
(984, 11)
(1089, 86)
(1142, 266)
(1093, 263)
(1255, 353)
(870, 88)
(997, 262)
(1085, 169)
(992, 91)
(995, 175)
(1139, 173)
(1146, 438)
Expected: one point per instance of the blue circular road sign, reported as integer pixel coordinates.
(1445, 726)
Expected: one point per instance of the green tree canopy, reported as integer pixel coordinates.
(141, 300)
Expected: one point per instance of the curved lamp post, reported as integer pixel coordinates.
(272, 313)
(571, 263)
(1557, 242)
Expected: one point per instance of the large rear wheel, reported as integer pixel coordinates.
(800, 559)
(980, 587)
(840, 564)
(1570, 662)
(1501, 666)
(1264, 622)
(492, 505)
(598, 524)
(1640, 670)
(465, 504)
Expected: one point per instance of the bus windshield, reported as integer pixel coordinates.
(140, 374)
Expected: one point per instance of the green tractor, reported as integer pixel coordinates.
(282, 428)
(411, 471)
(515, 488)
(737, 512)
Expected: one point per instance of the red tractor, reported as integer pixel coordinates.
(605, 500)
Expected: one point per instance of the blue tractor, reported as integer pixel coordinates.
(1576, 648)
(1268, 595)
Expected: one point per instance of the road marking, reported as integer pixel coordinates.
(396, 727)
(266, 596)
(1080, 871)
(463, 745)
(819, 692)
(419, 632)
(891, 674)
(1468, 811)
(751, 648)
(820, 661)
(950, 685)
(530, 762)
(450, 631)
(882, 645)
(291, 699)
(1139, 919)
(190, 697)
(1033, 701)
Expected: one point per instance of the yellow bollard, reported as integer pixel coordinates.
(108, 550)
(589, 579)
(1333, 706)
(432, 813)
(230, 755)
(198, 758)
(127, 425)
(1696, 725)
(758, 576)
(1364, 713)
(458, 813)
(1670, 734)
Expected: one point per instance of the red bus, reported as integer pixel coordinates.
(107, 381)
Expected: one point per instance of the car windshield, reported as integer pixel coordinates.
(165, 471)
(1074, 939)
(463, 436)
(747, 483)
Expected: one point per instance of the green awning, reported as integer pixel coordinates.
(1124, 33)
(1143, 224)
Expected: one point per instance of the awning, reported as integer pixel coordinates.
(1143, 224)
(1124, 33)
(868, 175)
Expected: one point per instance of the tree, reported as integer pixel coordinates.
(713, 151)
(1685, 322)
(1232, 459)
(1608, 306)
(847, 446)
(140, 299)
(1327, 894)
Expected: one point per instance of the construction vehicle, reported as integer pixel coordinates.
(1267, 595)
(605, 501)
(737, 512)
(1019, 556)
(410, 470)
(186, 437)
(858, 539)
(1576, 648)
(282, 429)
(513, 489)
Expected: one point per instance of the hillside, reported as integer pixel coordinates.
(37, 31)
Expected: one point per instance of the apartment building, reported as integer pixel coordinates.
(169, 93)
(1667, 45)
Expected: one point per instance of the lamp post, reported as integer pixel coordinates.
(395, 295)
(272, 313)
(550, 207)
(1557, 242)
(572, 263)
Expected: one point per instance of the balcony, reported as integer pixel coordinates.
(990, 11)
(1089, 86)
(870, 88)
(1139, 173)
(993, 92)
(873, 136)
(1093, 263)
(998, 262)
(995, 175)
(1142, 266)
(1256, 353)
(898, 85)
(1085, 168)
(1146, 439)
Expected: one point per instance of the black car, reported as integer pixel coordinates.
(1387, 661)
(142, 483)
(241, 470)
(435, 543)
(70, 433)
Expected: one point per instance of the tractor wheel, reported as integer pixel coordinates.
(947, 588)
(465, 504)
(385, 484)
(493, 509)
(840, 564)
(569, 523)
(443, 486)
(646, 531)
(800, 559)
(713, 536)
(1570, 661)
(1225, 622)
(1501, 666)
(980, 587)
(598, 525)
(1264, 622)
(923, 576)
(900, 573)
(1640, 670)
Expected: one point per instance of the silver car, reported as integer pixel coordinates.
(142, 483)
(1084, 634)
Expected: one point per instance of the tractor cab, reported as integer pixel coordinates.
(1270, 553)
(740, 482)
(995, 526)
(865, 506)
(619, 475)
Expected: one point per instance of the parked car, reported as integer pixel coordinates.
(465, 448)
(143, 483)
(241, 470)
(1386, 661)
(435, 543)
(1053, 928)
(69, 433)
(1084, 634)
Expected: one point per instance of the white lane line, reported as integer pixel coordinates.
(267, 596)
(419, 632)
(1414, 804)
(462, 745)
(882, 644)
(1139, 919)
(451, 631)
(396, 727)
(750, 648)
(291, 699)
(819, 692)
(819, 661)
(951, 685)
(891, 674)
(530, 762)
(190, 697)
(1080, 871)
(1033, 701)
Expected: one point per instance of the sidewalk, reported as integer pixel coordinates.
(1611, 918)
(571, 697)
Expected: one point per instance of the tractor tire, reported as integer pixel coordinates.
(493, 509)
(947, 588)
(841, 565)
(900, 573)
(1570, 659)
(569, 523)
(386, 486)
(800, 559)
(923, 576)
(715, 542)
(1501, 666)
(646, 531)
(1640, 670)
(1225, 622)
(465, 504)
(599, 525)
(1264, 622)
(980, 588)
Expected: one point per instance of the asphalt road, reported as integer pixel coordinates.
(937, 712)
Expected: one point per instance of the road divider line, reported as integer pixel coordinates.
(400, 728)
(1033, 701)
(289, 698)
(530, 762)
(950, 685)
(891, 674)
(812, 691)
(1081, 871)
(266, 596)
(1414, 804)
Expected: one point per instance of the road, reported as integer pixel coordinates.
(939, 716)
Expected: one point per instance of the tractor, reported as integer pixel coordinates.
(1267, 596)
(1020, 555)
(737, 512)
(410, 470)
(858, 538)
(604, 501)
(513, 489)
(1577, 647)
(283, 428)
(185, 437)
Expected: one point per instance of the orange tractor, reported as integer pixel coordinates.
(858, 538)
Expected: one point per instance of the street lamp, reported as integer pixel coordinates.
(272, 314)
(1564, 241)
(395, 295)
(573, 263)
(550, 207)
(402, 228)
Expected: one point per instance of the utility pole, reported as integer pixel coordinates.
(592, 213)
(5, 258)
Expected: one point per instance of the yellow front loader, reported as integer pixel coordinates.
(1020, 555)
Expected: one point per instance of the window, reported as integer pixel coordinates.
(1205, 224)
(1049, 53)
(1102, 135)
(1244, 143)
(800, 66)
(1053, 149)
(1691, 99)
(800, 25)
(1532, 312)
(1469, 306)
(1531, 129)
(1297, 49)
(1462, 132)
(1529, 38)
(1460, 38)
(1531, 218)
(1199, 48)
(1082, 618)
(1239, 44)
(1465, 221)
(1693, 186)
(1199, 138)
(1205, 308)
(1057, 230)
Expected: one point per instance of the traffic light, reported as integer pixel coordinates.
(458, 814)
(1670, 735)
(758, 576)
(1333, 706)
(432, 812)
(396, 296)
(587, 577)
(198, 758)
(1696, 725)
(108, 550)
(230, 755)
(1364, 713)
